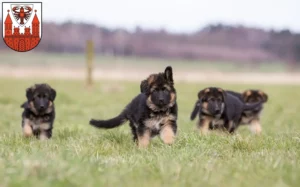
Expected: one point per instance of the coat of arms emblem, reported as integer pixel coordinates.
(22, 25)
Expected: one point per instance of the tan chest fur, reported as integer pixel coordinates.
(157, 122)
(250, 117)
(38, 124)
(218, 122)
(247, 120)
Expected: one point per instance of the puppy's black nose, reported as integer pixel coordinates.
(161, 101)
(42, 107)
(217, 110)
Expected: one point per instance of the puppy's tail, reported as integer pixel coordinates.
(253, 106)
(110, 123)
(196, 110)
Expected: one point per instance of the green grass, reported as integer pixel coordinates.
(80, 155)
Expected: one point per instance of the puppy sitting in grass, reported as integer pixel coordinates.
(151, 113)
(38, 114)
(218, 109)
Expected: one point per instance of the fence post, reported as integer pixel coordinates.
(89, 62)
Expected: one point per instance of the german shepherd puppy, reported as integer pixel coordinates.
(251, 117)
(217, 109)
(39, 113)
(151, 113)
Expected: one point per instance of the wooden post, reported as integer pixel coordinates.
(89, 62)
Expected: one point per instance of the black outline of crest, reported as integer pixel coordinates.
(41, 23)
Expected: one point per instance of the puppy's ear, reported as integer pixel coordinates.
(246, 94)
(224, 94)
(197, 109)
(169, 74)
(144, 86)
(202, 93)
(29, 93)
(25, 105)
(52, 94)
(263, 95)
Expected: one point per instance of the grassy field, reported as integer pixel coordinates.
(80, 155)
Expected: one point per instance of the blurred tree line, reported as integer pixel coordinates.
(214, 42)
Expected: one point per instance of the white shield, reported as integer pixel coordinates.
(22, 12)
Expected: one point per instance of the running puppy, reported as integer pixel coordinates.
(251, 117)
(152, 112)
(38, 114)
(217, 109)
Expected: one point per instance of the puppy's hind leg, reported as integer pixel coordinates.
(133, 131)
(231, 127)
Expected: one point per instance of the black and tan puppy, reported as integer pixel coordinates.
(218, 109)
(151, 113)
(39, 114)
(251, 117)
